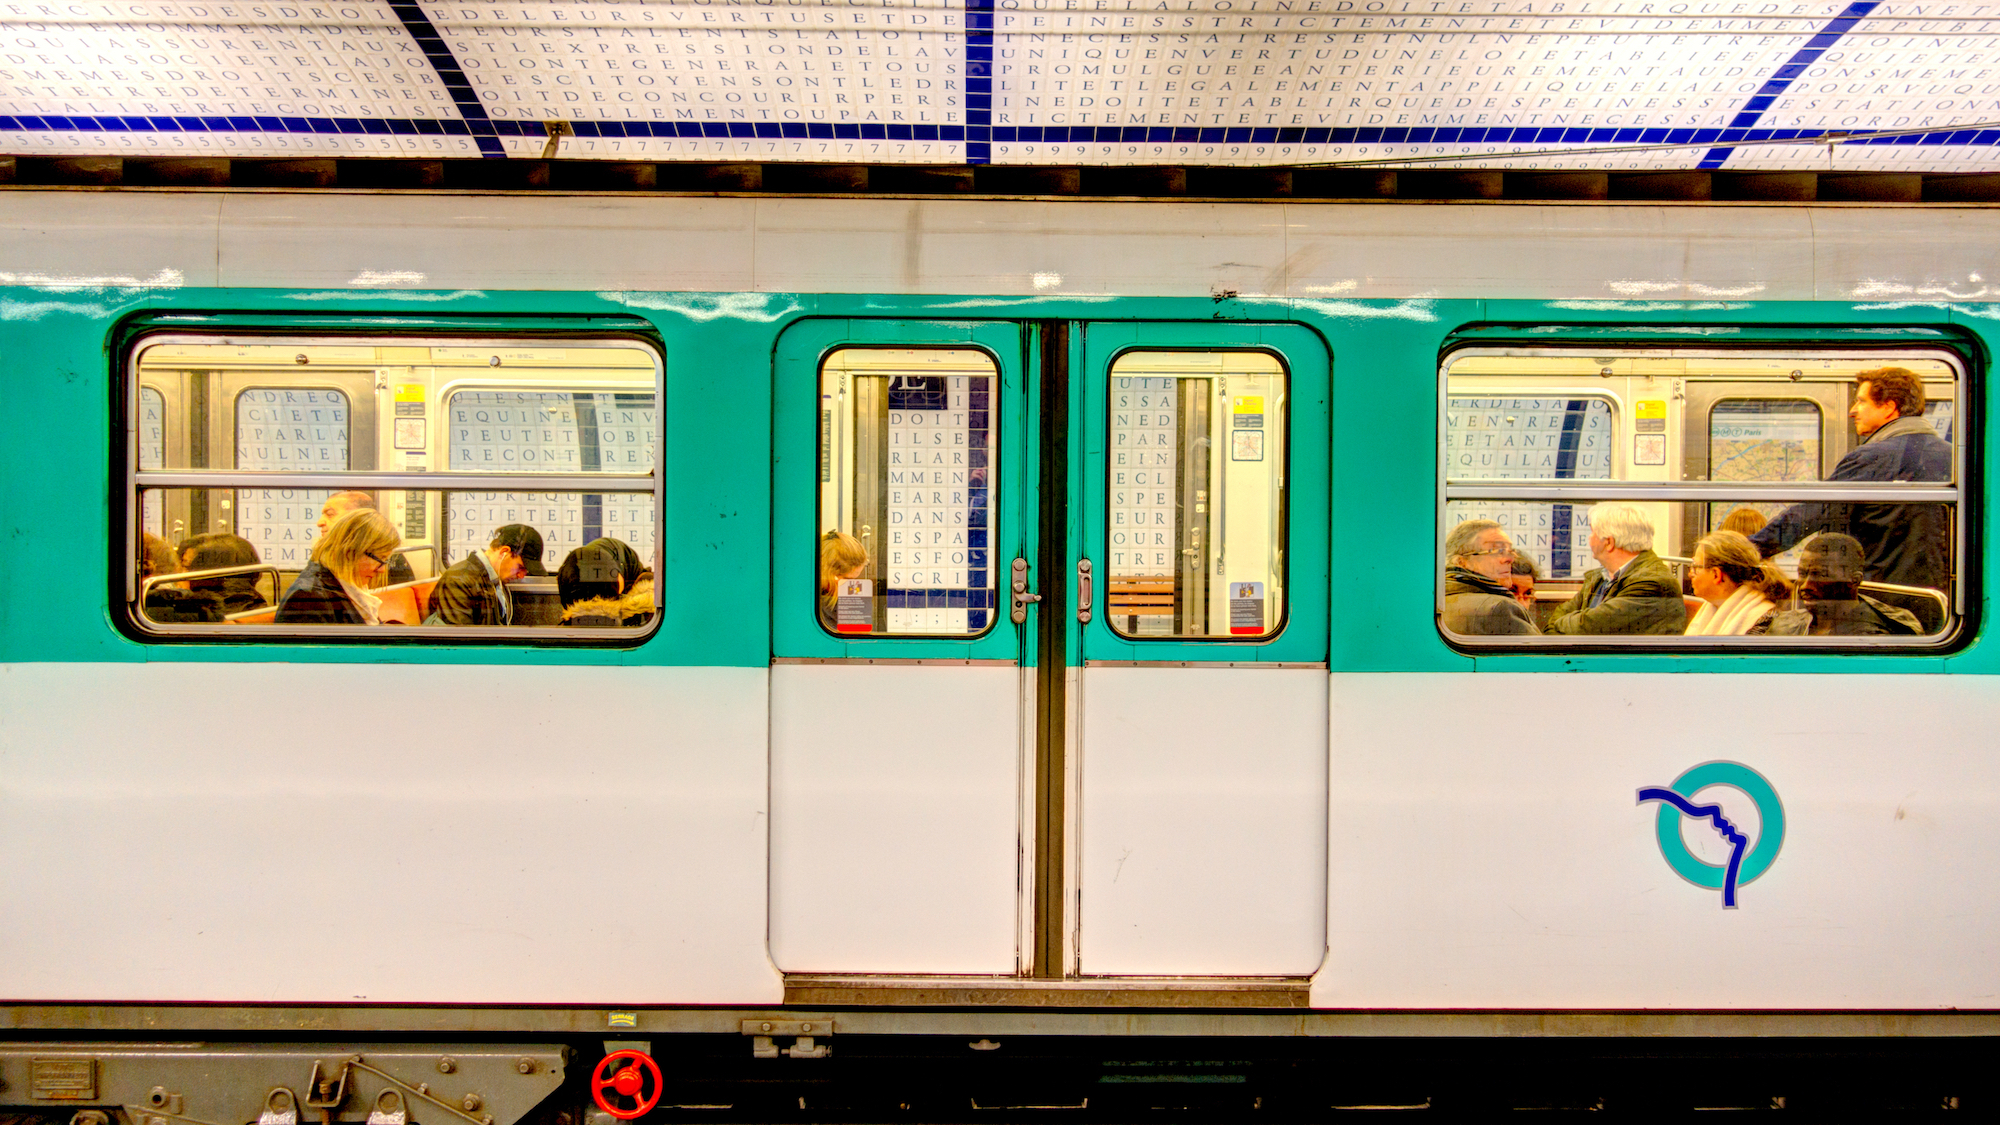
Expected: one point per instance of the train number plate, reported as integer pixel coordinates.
(62, 1079)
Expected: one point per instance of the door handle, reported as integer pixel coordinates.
(1021, 595)
(1083, 591)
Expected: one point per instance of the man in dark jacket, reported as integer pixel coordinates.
(1831, 603)
(1634, 592)
(1907, 544)
(474, 590)
(1478, 599)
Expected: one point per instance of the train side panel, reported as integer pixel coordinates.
(1488, 849)
(387, 833)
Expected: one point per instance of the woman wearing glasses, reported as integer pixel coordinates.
(1739, 591)
(349, 558)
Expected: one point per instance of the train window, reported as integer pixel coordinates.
(1195, 494)
(906, 448)
(450, 488)
(1739, 498)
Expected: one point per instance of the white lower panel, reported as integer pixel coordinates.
(895, 818)
(404, 833)
(1203, 821)
(1488, 850)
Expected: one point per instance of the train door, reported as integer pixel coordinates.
(900, 685)
(1199, 530)
(1003, 742)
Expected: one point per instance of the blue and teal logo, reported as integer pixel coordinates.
(1745, 862)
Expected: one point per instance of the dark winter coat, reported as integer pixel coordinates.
(1907, 544)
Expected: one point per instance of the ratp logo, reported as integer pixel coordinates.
(1745, 862)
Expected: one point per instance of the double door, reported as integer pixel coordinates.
(1048, 688)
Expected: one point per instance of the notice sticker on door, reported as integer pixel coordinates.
(1246, 607)
(854, 606)
(1650, 416)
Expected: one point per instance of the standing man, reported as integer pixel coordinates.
(1479, 600)
(474, 590)
(1907, 544)
(1634, 592)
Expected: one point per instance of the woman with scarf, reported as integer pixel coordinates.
(1738, 589)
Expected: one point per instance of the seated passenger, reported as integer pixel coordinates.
(840, 556)
(1831, 603)
(218, 550)
(590, 582)
(473, 591)
(172, 601)
(340, 503)
(1634, 592)
(1523, 580)
(1739, 590)
(1743, 521)
(350, 558)
(635, 606)
(1479, 599)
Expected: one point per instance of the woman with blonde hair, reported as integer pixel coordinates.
(840, 556)
(1738, 589)
(352, 556)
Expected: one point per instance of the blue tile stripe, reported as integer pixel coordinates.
(1113, 134)
(1767, 94)
(446, 64)
(978, 81)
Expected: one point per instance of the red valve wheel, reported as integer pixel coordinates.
(627, 1083)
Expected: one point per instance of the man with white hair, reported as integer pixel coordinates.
(1634, 592)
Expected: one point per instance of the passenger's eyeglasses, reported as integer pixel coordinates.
(1493, 551)
(379, 560)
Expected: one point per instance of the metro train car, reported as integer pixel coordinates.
(1030, 683)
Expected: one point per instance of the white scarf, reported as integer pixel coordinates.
(1733, 618)
(369, 605)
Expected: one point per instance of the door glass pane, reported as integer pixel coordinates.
(905, 498)
(1531, 438)
(296, 429)
(1195, 495)
(1761, 440)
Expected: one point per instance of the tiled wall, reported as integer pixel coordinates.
(152, 454)
(550, 431)
(1531, 439)
(299, 429)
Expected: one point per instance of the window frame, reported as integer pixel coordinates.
(132, 616)
(1283, 530)
(1957, 494)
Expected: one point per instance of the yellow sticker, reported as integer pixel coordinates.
(1249, 404)
(1650, 408)
(409, 392)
